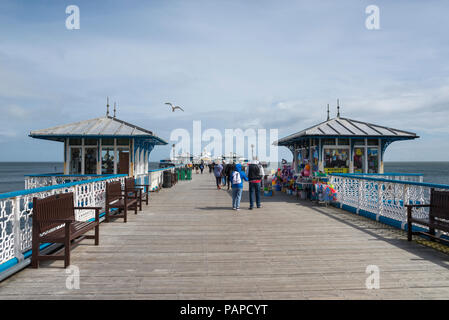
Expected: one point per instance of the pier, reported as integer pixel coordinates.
(189, 244)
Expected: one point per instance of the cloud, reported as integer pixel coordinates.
(231, 64)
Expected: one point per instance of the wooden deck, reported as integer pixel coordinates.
(189, 244)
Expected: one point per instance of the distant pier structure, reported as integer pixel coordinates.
(342, 145)
(104, 145)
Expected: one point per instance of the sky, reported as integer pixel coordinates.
(230, 64)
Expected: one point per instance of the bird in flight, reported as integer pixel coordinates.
(173, 108)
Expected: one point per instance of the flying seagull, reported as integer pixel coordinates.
(173, 108)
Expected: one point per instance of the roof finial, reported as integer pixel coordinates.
(114, 109)
(338, 108)
(107, 107)
(328, 111)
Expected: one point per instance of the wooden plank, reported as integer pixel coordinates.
(189, 244)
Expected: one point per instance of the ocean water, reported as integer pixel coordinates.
(434, 172)
(12, 174)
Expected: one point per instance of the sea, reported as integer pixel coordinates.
(12, 174)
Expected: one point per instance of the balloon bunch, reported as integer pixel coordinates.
(306, 171)
(326, 192)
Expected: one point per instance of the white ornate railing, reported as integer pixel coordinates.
(381, 198)
(44, 180)
(16, 207)
(154, 178)
(411, 177)
(16, 212)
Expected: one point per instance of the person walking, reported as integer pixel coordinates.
(218, 168)
(202, 167)
(223, 173)
(228, 174)
(255, 175)
(238, 176)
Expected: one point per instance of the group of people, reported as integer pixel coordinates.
(199, 166)
(233, 176)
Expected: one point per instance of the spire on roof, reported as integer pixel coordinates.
(114, 109)
(328, 111)
(107, 107)
(338, 108)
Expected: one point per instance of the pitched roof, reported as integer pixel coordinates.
(345, 127)
(98, 127)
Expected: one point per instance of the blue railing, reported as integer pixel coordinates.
(422, 184)
(13, 194)
(383, 199)
(16, 211)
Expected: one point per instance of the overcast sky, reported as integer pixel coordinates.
(230, 64)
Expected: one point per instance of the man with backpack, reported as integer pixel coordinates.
(237, 185)
(255, 175)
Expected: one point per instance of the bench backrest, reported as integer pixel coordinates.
(58, 206)
(113, 191)
(129, 183)
(439, 204)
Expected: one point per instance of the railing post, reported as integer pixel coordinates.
(360, 194)
(406, 201)
(340, 193)
(16, 229)
(380, 204)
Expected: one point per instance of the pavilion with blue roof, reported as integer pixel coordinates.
(104, 145)
(342, 145)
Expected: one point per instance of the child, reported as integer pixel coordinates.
(237, 178)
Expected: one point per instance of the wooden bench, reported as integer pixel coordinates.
(118, 199)
(54, 222)
(137, 191)
(438, 215)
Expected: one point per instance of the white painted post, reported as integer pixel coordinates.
(380, 166)
(366, 156)
(360, 195)
(82, 156)
(379, 200)
(16, 229)
(66, 156)
(351, 157)
(99, 155)
(406, 200)
(115, 156)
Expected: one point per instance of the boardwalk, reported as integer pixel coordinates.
(188, 244)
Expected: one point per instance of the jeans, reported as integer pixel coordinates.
(218, 180)
(254, 187)
(236, 197)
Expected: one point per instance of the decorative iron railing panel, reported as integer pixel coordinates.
(16, 211)
(16, 207)
(385, 196)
